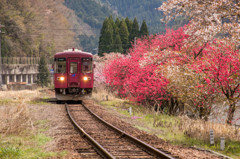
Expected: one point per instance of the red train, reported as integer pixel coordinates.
(73, 74)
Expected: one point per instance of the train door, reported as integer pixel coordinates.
(73, 72)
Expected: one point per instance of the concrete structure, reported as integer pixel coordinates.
(19, 70)
(19, 73)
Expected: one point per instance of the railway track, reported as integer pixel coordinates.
(107, 140)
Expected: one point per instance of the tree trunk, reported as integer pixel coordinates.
(204, 113)
(231, 113)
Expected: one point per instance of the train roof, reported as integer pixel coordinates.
(73, 53)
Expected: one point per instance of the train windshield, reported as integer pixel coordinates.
(73, 67)
(87, 65)
(60, 65)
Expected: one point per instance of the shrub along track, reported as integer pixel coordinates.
(108, 140)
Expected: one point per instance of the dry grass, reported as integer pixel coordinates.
(26, 95)
(197, 129)
(102, 95)
(14, 113)
(200, 129)
(14, 119)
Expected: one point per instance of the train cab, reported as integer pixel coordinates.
(73, 74)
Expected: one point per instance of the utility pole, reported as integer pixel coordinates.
(1, 55)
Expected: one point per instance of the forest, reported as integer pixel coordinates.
(30, 28)
(118, 36)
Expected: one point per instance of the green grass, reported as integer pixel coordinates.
(6, 101)
(41, 139)
(39, 101)
(42, 125)
(29, 145)
(167, 128)
(26, 147)
(232, 148)
(9, 152)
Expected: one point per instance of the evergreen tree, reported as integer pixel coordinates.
(117, 36)
(43, 75)
(110, 19)
(143, 29)
(135, 30)
(117, 22)
(112, 34)
(106, 37)
(124, 34)
(117, 43)
(129, 25)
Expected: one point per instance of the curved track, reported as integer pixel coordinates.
(109, 141)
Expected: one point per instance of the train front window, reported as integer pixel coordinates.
(73, 67)
(87, 65)
(60, 65)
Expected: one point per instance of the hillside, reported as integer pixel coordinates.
(142, 10)
(45, 27)
(93, 13)
(36, 27)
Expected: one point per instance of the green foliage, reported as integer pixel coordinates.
(129, 26)
(143, 29)
(135, 30)
(106, 37)
(43, 76)
(117, 43)
(117, 22)
(124, 34)
(117, 36)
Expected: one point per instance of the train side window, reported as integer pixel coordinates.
(87, 65)
(73, 67)
(60, 65)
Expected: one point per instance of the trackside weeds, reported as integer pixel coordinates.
(179, 130)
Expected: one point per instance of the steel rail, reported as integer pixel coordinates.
(103, 152)
(152, 150)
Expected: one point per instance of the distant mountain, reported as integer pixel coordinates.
(93, 13)
(141, 9)
(89, 11)
(46, 27)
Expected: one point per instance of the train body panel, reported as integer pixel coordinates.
(73, 74)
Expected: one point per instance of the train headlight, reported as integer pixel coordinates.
(61, 78)
(85, 78)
